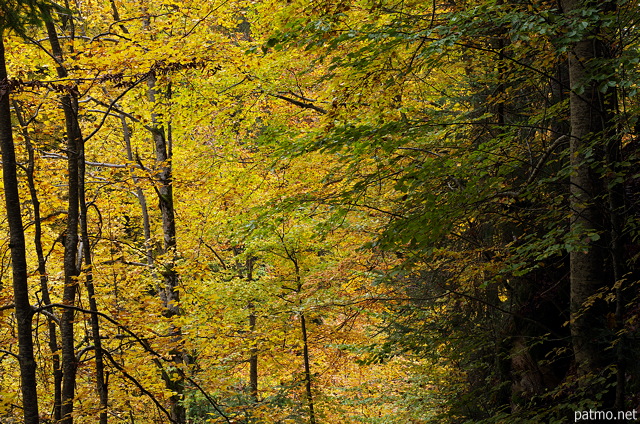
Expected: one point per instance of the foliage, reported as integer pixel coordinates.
(372, 203)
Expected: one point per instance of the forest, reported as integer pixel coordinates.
(319, 212)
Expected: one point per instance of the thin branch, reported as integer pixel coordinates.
(144, 344)
(306, 99)
(186, 34)
(224, 266)
(544, 158)
(63, 37)
(300, 104)
(51, 155)
(51, 315)
(7, 352)
(233, 85)
(112, 105)
(536, 170)
(137, 384)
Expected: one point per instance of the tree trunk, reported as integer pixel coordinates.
(101, 384)
(74, 140)
(168, 292)
(253, 358)
(142, 199)
(23, 310)
(307, 369)
(590, 270)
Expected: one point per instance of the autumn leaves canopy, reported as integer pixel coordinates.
(337, 212)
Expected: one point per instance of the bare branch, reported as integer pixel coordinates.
(298, 103)
(5, 307)
(7, 352)
(51, 155)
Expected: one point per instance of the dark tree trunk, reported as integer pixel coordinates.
(307, 369)
(592, 131)
(101, 384)
(69, 364)
(253, 358)
(168, 291)
(69, 103)
(23, 310)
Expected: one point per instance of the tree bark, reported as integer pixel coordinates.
(101, 384)
(142, 199)
(69, 103)
(590, 270)
(168, 291)
(23, 310)
(253, 358)
(307, 369)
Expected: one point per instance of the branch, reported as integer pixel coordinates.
(51, 315)
(6, 352)
(124, 261)
(536, 170)
(138, 385)
(121, 112)
(146, 347)
(224, 266)
(142, 342)
(51, 155)
(300, 104)
(544, 158)
(5, 307)
(112, 105)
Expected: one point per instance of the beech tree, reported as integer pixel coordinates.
(15, 17)
(23, 310)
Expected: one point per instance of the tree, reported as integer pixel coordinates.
(593, 132)
(15, 17)
(23, 310)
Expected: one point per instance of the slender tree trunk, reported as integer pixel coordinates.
(305, 342)
(168, 292)
(42, 269)
(590, 269)
(291, 255)
(307, 369)
(253, 358)
(74, 140)
(101, 384)
(142, 199)
(23, 310)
